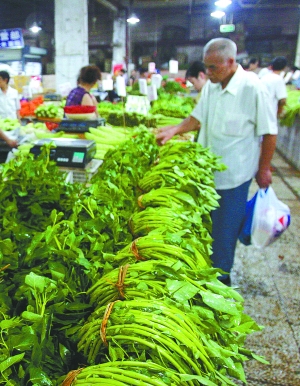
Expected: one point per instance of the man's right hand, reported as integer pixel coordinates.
(12, 143)
(164, 134)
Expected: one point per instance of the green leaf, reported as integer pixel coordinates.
(64, 354)
(142, 286)
(39, 377)
(260, 359)
(10, 362)
(219, 303)
(40, 283)
(202, 380)
(237, 371)
(9, 323)
(217, 287)
(181, 290)
(6, 247)
(36, 209)
(23, 342)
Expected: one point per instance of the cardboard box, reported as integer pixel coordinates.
(19, 81)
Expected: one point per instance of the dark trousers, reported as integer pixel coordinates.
(226, 224)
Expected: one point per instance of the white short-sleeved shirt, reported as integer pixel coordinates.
(263, 72)
(232, 123)
(276, 87)
(9, 103)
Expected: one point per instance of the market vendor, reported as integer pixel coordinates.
(80, 96)
(9, 104)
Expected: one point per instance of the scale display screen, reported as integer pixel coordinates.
(78, 157)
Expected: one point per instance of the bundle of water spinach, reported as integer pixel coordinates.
(162, 332)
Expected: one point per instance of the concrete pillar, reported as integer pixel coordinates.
(71, 40)
(119, 39)
(297, 57)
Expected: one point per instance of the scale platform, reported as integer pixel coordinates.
(72, 153)
(80, 126)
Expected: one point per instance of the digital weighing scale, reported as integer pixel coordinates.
(79, 126)
(68, 152)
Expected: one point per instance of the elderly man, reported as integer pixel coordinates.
(236, 122)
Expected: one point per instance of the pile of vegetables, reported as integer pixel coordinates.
(107, 137)
(291, 109)
(83, 300)
(168, 109)
(28, 107)
(49, 111)
(174, 87)
(172, 105)
(9, 124)
(115, 115)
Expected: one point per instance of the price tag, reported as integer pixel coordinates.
(156, 80)
(143, 86)
(152, 93)
(151, 67)
(137, 104)
(121, 87)
(173, 67)
(107, 84)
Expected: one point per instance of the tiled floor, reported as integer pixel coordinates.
(269, 281)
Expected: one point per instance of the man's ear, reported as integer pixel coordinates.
(231, 61)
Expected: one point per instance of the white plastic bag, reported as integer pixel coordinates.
(271, 218)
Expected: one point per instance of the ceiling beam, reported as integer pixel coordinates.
(108, 5)
(258, 4)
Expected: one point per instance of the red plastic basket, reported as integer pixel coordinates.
(79, 109)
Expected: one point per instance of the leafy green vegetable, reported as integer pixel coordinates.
(291, 109)
(64, 252)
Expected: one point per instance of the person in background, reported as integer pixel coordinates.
(143, 73)
(9, 105)
(132, 78)
(276, 85)
(264, 71)
(196, 75)
(88, 77)
(123, 73)
(235, 122)
(293, 77)
(253, 64)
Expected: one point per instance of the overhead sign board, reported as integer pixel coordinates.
(11, 38)
(224, 28)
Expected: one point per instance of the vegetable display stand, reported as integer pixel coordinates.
(110, 282)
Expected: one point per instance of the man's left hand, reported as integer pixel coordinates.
(264, 178)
